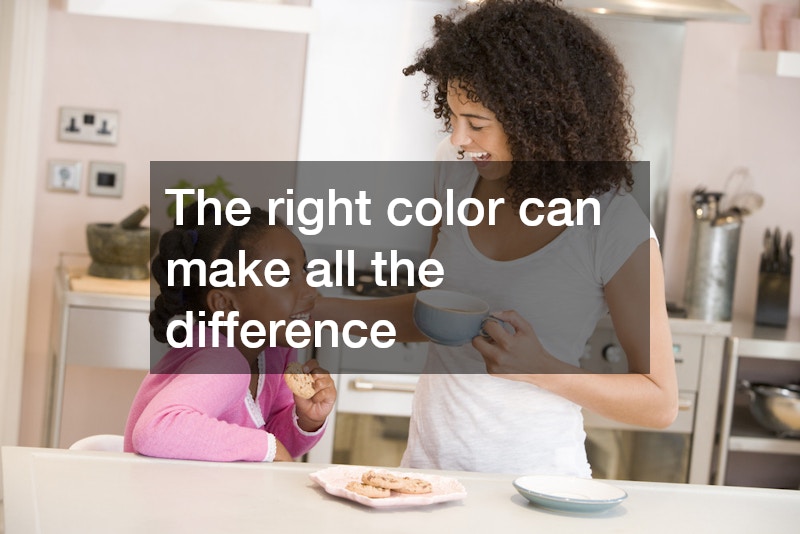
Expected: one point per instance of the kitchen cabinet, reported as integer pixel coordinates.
(96, 323)
(750, 455)
(682, 452)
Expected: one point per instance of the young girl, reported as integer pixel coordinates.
(228, 404)
(520, 83)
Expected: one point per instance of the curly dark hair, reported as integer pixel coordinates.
(554, 84)
(205, 242)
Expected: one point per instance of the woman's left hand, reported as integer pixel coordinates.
(510, 355)
(311, 413)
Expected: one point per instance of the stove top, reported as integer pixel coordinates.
(366, 286)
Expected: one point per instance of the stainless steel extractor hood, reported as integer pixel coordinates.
(668, 10)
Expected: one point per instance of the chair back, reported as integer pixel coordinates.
(99, 442)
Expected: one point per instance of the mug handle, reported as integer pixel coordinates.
(510, 329)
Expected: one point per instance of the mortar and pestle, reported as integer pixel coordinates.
(122, 250)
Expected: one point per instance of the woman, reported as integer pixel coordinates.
(535, 102)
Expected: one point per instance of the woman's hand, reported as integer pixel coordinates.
(511, 355)
(645, 396)
(311, 413)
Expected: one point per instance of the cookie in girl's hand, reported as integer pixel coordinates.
(301, 384)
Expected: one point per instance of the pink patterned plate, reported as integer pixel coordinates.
(334, 479)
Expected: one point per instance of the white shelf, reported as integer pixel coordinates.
(767, 342)
(748, 436)
(764, 445)
(772, 62)
(779, 348)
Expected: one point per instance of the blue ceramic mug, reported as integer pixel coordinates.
(449, 317)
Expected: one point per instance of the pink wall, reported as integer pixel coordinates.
(183, 92)
(728, 118)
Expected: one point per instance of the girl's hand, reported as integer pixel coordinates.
(281, 453)
(510, 355)
(311, 413)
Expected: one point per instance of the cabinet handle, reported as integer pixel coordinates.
(359, 384)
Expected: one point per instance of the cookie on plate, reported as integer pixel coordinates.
(373, 492)
(301, 384)
(399, 484)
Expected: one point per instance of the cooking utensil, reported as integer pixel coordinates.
(787, 254)
(766, 254)
(748, 202)
(776, 408)
(699, 203)
(705, 204)
(739, 193)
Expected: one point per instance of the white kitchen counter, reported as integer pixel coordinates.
(680, 325)
(62, 491)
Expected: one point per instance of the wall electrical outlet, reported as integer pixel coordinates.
(64, 175)
(81, 125)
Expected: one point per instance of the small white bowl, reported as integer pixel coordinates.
(572, 494)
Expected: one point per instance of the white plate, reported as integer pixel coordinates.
(334, 479)
(572, 494)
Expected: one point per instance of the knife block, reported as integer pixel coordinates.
(772, 306)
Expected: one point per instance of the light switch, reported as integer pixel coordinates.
(106, 178)
(64, 175)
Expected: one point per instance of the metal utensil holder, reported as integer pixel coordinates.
(712, 270)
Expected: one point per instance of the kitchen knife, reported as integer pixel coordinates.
(776, 250)
(787, 254)
(766, 255)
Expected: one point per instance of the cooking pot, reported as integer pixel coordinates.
(776, 408)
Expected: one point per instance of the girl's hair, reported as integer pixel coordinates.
(206, 242)
(554, 84)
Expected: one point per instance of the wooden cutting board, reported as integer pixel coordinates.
(94, 284)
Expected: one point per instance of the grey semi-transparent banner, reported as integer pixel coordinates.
(417, 267)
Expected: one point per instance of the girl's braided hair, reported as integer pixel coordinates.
(554, 84)
(192, 241)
